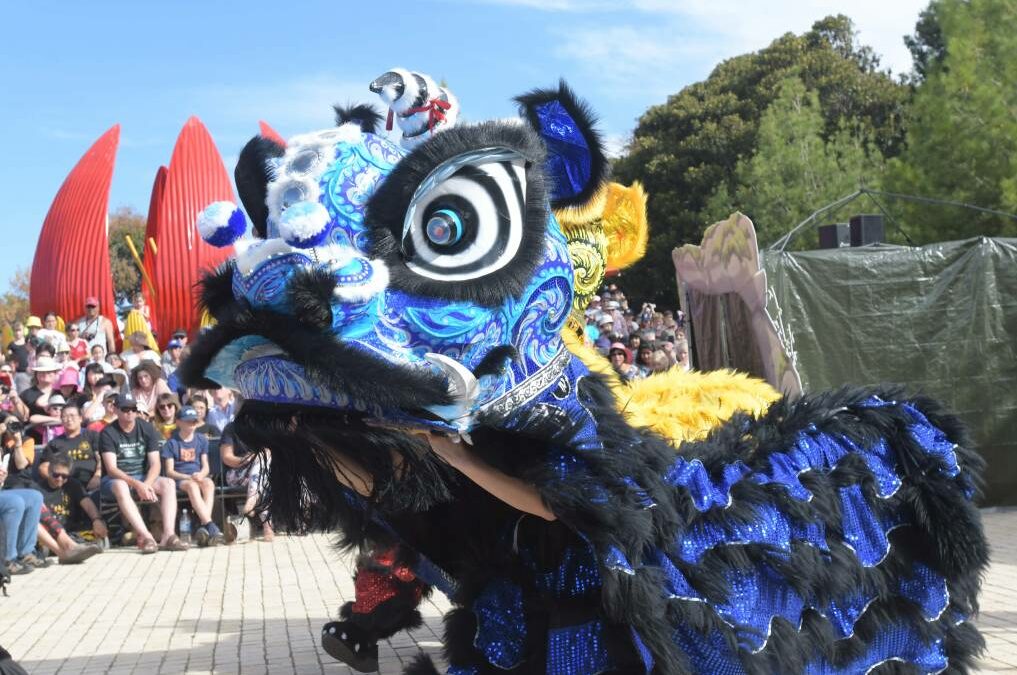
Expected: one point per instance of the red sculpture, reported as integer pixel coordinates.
(195, 178)
(72, 256)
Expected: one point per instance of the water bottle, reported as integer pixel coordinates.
(185, 527)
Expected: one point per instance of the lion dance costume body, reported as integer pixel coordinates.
(428, 286)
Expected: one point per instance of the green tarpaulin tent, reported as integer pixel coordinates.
(941, 319)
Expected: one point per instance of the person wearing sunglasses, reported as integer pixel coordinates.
(66, 506)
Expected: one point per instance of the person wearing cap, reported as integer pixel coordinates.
(129, 448)
(147, 385)
(95, 328)
(620, 357)
(185, 460)
(604, 324)
(54, 409)
(171, 357)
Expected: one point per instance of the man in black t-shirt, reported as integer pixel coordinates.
(66, 506)
(129, 448)
(81, 446)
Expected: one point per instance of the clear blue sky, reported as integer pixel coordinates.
(69, 71)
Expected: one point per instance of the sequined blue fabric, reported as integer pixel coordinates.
(459, 670)
(501, 623)
(577, 650)
(569, 168)
(894, 643)
(577, 575)
(708, 653)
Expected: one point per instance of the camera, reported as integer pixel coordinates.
(4, 390)
(15, 426)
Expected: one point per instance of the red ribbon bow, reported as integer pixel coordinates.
(435, 109)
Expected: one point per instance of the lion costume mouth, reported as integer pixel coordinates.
(338, 374)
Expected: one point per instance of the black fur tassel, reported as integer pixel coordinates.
(361, 114)
(252, 175)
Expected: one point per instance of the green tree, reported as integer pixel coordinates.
(962, 135)
(14, 302)
(685, 150)
(794, 170)
(926, 44)
(126, 277)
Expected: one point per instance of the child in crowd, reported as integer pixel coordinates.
(185, 460)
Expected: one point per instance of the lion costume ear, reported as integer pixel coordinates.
(576, 165)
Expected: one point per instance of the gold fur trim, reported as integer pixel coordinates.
(624, 222)
(584, 213)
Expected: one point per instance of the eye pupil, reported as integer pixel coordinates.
(444, 228)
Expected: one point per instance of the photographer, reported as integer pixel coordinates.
(20, 504)
(10, 402)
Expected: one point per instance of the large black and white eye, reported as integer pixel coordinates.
(466, 218)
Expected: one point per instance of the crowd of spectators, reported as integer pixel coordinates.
(83, 427)
(637, 344)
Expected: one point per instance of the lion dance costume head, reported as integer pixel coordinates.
(426, 283)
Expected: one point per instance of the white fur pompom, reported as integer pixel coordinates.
(221, 223)
(304, 224)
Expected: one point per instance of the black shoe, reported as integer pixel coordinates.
(14, 568)
(201, 537)
(337, 642)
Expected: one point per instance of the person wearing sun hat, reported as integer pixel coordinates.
(45, 373)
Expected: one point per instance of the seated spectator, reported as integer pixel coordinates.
(67, 383)
(20, 450)
(17, 355)
(44, 376)
(109, 406)
(185, 460)
(181, 335)
(129, 448)
(245, 468)
(165, 418)
(65, 506)
(10, 402)
(138, 351)
(54, 409)
(147, 386)
(635, 339)
(171, 357)
(223, 409)
(51, 334)
(604, 324)
(620, 358)
(681, 353)
(97, 354)
(115, 362)
(20, 510)
(77, 345)
(97, 383)
(95, 328)
(200, 405)
(644, 360)
(79, 446)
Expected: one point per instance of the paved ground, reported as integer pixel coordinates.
(257, 608)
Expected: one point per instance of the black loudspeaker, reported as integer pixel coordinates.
(867, 229)
(834, 235)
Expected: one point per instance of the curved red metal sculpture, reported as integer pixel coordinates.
(72, 256)
(195, 178)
